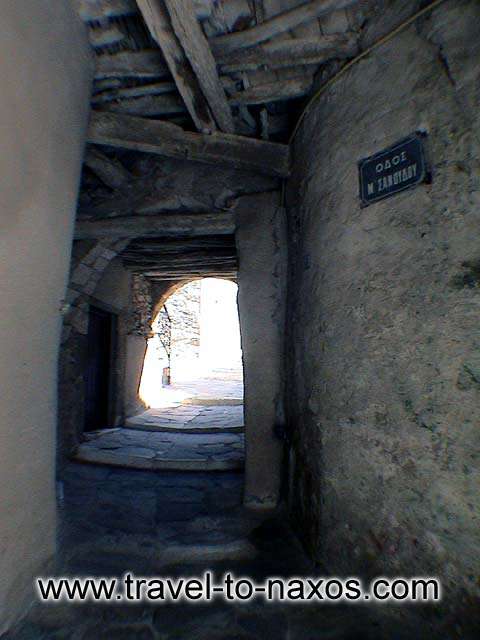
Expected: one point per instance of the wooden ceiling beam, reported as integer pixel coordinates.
(201, 224)
(158, 22)
(161, 138)
(196, 48)
(92, 10)
(149, 105)
(190, 275)
(105, 37)
(153, 89)
(179, 247)
(180, 259)
(274, 91)
(277, 25)
(132, 64)
(289, 52)
(110, 171)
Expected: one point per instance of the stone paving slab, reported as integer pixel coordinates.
(190, 418)
(201, 391)
(164, 451)
(116, 520)
(211, 388)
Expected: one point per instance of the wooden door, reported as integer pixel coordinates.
(98, 369)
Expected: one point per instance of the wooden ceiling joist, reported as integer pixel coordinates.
(179, 244)
(148, 105)
(169, 140)
(158, 22)
(132, 64)
(277, 25)
(202, 273)
(286, 52)
(105, 37)
(273, 91)
(205, 261)
(154, 89)
(197, 50)
(92, 10)
(110, 171)
(165, 225)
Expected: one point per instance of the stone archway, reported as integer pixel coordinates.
(260, 245)
(89, 262)
(200, 325)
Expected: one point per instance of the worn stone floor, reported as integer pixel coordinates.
(201, 391)
(116, 520)
(139, 449)
(191, 418)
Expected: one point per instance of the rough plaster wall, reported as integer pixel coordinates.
(383, 314)
(261, 246)
(46, 73)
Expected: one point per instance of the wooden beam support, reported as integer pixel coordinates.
(259, 11)
(286, 53)
(219, 254)
(179, 277)
(142, 267)
(210, 271)
(281, 23)
(106, 84)
(162, 99)
(162, 138)
(197, 50)
(132, 64)
(111, 172)
(169, 262)
(160, 105)
(154, 89)
(91, 10)
(104, 37)
(158, 22)
(201, 224)
(177, 245)
(274, 91)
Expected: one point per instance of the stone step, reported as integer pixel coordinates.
(213, 402)
(115, 553)
(166, 428)
(132, 461)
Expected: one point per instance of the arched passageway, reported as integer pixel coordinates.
(359, 314)
(191, 386)
(195, 350)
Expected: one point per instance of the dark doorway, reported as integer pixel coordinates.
(101, 332)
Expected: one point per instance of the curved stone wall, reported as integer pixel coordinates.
(384, 341)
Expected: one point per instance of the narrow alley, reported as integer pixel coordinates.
(239, 325)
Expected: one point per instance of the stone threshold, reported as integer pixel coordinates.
(217, 402)
(165, 428)
(131, 461)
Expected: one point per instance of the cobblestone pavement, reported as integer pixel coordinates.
(169, 524)
(190, 418)
(140, 449)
